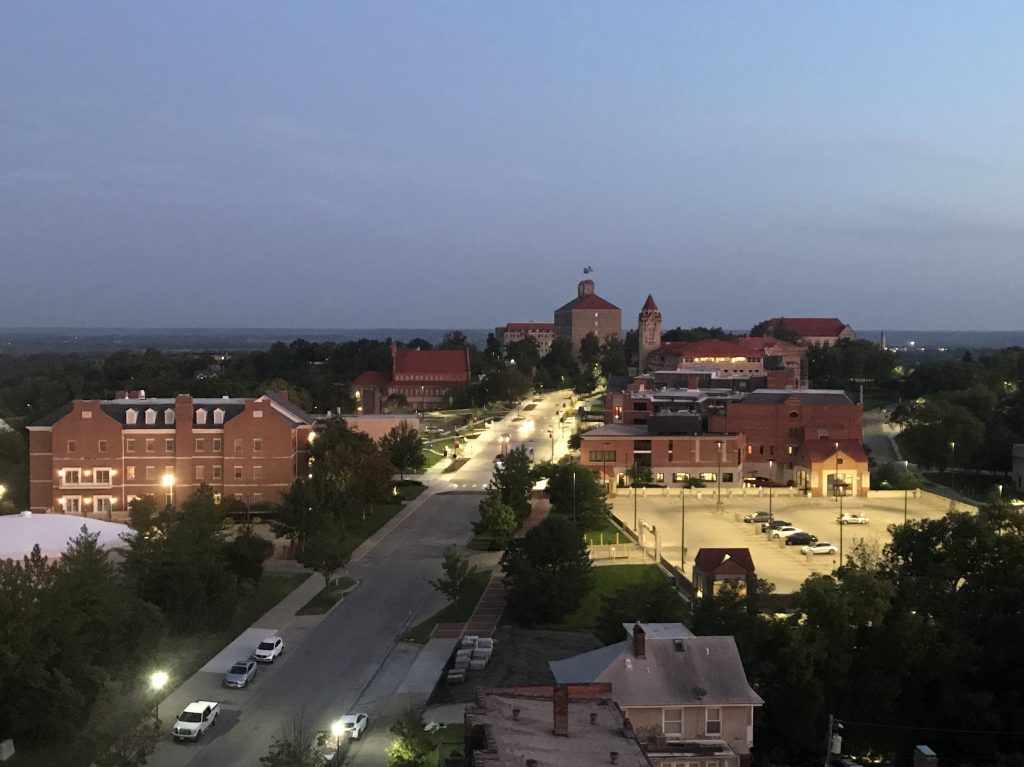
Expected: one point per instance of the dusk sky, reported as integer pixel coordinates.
(457, 165)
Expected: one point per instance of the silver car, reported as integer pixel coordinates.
(240, 674)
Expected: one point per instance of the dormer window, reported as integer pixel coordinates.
(131, 416)
(169, 416)
(201, 417)
(150, 416)
(218, 416)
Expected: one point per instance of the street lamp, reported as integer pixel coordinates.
(682, 529)
(839, 497)
(718, 501)
(574, 495)
(952, 463)
(503, 440)
(771, 481)
(633, 482)
(338, 731)
(551, 433)
(157, 681)
(168, 482)
(604, 467)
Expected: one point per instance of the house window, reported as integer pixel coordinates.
(169, 416)
(257, 498)
(257, 413)
(217, 444)
(101, 446)
(169, 445)
(257, 472)
(73, 504)
(150, 445)
(150, 472)
(727, 476)
(659, 476)
(102, 477)
(714, 721)
(200, 445)
(72, 477)
(238, 446)
(708, 476)
(216, 498)
(201, 417)
(129, 472)
(150, 416)
(200, 473)
(129, 445)
(238, 472)
(218, 416)
(72, 446)
(131, 416)
(102, 503)
(672, 721)
(257, 445)
(602, 456)
(86, 414)
(680, 476)
(217, 472)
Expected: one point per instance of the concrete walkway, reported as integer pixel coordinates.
(428, 667)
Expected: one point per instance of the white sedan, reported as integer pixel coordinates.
(785, 532)
(853, 519)
(820, 547)
(349, 726)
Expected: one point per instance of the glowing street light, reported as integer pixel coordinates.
(168, 482)
(338, 731)
(157, 682)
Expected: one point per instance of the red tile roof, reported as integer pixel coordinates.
(372, 378)
(711, 347)
(810, 327)
(432, 361)
(589, 301)
(763, 343)
(822, 450)
(649, 305)
(550, 326)
(710, 560)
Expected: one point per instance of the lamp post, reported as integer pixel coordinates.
(157, 680)
(839, 497)
(952, 463)
(682, 529)
(633, 483)
(551, 433)
(906, 488)
(338, 731)
(168, 482)
(771, 481)
(574, 495)
(718, 500)
(604, 468)
(503, 440)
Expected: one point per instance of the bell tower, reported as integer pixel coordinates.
(649, 332)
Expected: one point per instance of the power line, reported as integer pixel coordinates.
(933, 729)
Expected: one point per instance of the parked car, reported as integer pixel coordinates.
(800, 539)
(269, 649)
(758, 516)
(350, 726)
(819, 547)
(240, 674)
(785, 531)
(196, 719)
(776, 524)
(853, 519)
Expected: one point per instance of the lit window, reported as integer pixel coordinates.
(129, 472)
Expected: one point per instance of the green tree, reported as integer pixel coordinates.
(698, 334)
(454, 339)
(403, 447)
(298, 513)
(525, 353)
(650, 602)
(246, 553)
(547, 572)
(294, 748)
(843, 364)
(325, 551)
(411, 746)
(512, 482)
(497, 519)
(590, 350)
(575, 492)
(613, 357)
(457, 571)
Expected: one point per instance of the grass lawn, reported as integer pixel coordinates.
(360, 529)
(606, 581)
(606, 533)
(449, 740)
(455, 612)
(326, 599)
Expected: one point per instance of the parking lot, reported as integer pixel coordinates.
(782, 565)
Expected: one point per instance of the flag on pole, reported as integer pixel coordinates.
(588, 269)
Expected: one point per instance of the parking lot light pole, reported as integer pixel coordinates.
(718, 500)
(771, 481)
(839, 497)
(682, 529)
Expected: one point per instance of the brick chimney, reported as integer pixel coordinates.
(639, 641)
(561, 701)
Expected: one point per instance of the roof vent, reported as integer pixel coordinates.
(699, 693)
(679, 644)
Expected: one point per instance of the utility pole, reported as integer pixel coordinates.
(718, 500)
(771, 481)
(682, 531)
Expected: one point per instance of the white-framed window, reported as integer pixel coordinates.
(72, 446)
(103, 504)
(102, 476)
(680, 476)
(257, 445)
(131, 416)
(129, 445)
(200, 444)
(218, 472)
(150, 416)
(86, 414)
(713, 724)
(150, 472)
(257, 497)
(101, 446)
(218, 444)
(201, 417)
(169, 416)
(169, 445)
(257, 472)
(218, 416)
(72, 477)
(129, 472)
(238, 446)
(238, 472)
(72, 504)
(659, 476)
(150, 445)
(200, 472)
(708, 476)
(257, 413)
(672, 721)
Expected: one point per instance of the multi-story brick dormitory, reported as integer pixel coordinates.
(785, 436)
(93, 457)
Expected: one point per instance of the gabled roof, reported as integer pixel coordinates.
(763, 343)
(810, 327)
(52, 417)
(288, 409)
(711, 347)
(431, 361)
(804, 396)
(824, 449)
(674, 672)
(528, 326)
(649, 305)
(372, 378)
(710, 560)
(589, 301)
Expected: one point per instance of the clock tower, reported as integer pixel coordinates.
(649, 332)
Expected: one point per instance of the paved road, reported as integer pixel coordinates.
(351, 660)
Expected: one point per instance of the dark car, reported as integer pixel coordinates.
(758, 516)
(776, 524)
(801, 539)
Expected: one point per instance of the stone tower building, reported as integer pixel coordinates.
(649, 332)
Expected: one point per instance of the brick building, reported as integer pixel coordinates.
(585, 314)
(782, 364)
(426, 379)
(812, 330)
(92, 457)
(543, 333)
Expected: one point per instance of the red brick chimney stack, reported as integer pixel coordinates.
(639, 641)
(561, 701)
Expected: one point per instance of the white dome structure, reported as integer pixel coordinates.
(20, 532)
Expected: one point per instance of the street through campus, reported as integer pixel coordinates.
(351, 661)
